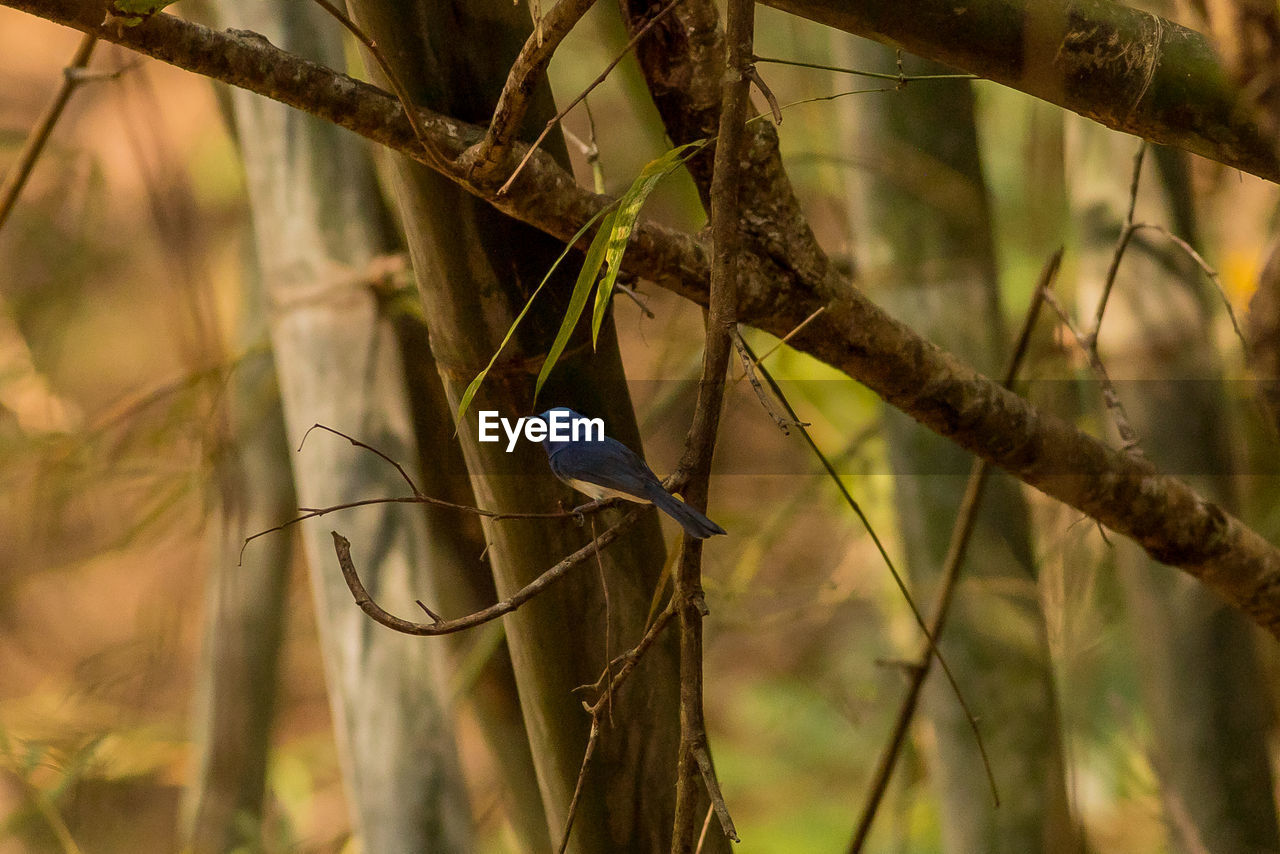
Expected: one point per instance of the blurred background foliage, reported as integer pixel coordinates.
(122, 281)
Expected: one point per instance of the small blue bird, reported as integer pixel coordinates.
(602, 467)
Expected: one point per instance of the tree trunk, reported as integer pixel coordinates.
(926, 248)
(476, 268)
(244, 604)
(317, 218)
(480, 665)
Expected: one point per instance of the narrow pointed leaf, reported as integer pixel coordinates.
(624, 222)
(471, 389)
(578, 300)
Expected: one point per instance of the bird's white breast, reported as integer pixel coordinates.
(595, 490)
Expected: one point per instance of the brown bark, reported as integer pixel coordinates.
(1122, 67)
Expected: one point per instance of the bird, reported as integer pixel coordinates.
(605, 468)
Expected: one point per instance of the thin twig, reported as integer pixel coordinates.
(702, 754)
(438, 626)
(604, 701)
(554, 120)
(785, 338)
(404, 474)
(402, 94)
(1088, 344)
(1126, 234)
(1134, 179)
(1204, 267)
(435, 618)
(822, 98)
(317, 512)
(16, 178)
(898, 580)
(753, 74)
(749, 371)
(878, 75)
(627, 661)
(962, 530)
(694, 769)
(1020, 347)
(417, 498)
(513, 102)
(706, 825)
(635, 298)
(608, 640)
(1088, 341)
(582, 779)
(1109, 283)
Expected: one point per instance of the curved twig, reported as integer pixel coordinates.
(439, 626)
(599, 707)
(404, 474)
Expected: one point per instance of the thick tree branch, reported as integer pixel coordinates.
(1164, 515)
(1124, 68)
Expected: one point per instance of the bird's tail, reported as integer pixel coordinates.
(694, 523)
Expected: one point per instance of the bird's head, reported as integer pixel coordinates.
(560, 421)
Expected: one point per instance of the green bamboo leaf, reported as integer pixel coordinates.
(606, 249)
(624, 221)
(475, 383)
(578, 299)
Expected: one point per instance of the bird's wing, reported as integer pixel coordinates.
(610, 464)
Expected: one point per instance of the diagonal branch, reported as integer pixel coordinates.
(526, 72)
(1163, 514)
(581, 97)
(394, 79)
(601, 708)
(15, 178)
